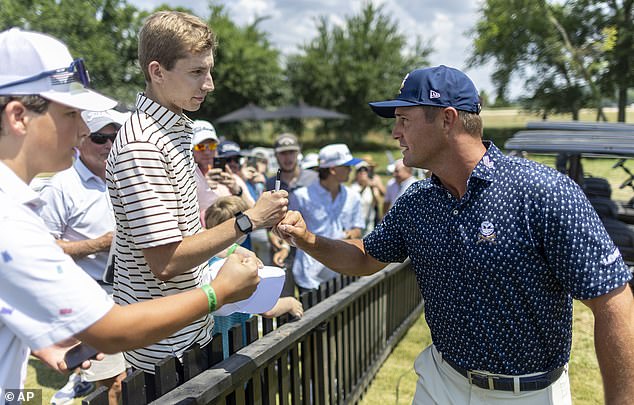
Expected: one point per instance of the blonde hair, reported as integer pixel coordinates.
(168, 36)
(223, 209)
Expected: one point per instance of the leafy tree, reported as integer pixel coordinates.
(103, 32)
(345, 67)
(247, 67)
(559, 48)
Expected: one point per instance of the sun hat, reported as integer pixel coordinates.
(336, 154)
(203, 130)
(439, 86)
(285, 142)
(35, 63)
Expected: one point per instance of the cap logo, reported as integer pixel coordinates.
(403, 83)
(433, 94)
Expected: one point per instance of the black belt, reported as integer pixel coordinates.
(493, 382)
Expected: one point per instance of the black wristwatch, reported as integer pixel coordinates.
(244, 223)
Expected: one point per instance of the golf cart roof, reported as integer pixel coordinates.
(616, 139)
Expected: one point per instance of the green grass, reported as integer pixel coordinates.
(395, 382)
(41, 376)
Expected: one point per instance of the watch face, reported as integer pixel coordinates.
(244, 223)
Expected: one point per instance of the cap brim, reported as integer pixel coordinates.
(287, 148)
(81, 99)
(353, 162)
(385, 109)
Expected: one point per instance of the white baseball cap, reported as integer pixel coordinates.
(203, 130)
(310, 161)
(99, 119)
(36, 63)
(336, 154)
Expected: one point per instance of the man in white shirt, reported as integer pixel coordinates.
(78, 214)
(46, 300)
(329, 209)
(402, 178)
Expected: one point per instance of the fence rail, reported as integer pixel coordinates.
(329, 356)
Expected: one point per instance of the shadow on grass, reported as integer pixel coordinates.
(45, 377)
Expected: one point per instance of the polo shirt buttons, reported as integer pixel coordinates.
(455, 212)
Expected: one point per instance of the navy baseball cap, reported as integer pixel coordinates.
(228, 149)
(438, 86)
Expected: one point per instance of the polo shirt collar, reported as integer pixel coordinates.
(17, 190)
(85, 172)
(485, 169)
(162, 115)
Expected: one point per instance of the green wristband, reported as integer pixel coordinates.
(211, 296)
(232, 249)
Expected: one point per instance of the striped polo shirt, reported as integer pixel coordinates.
(150, 178)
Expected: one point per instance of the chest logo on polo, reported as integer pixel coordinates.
(487, 233)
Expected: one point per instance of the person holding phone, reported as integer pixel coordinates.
(47, 302)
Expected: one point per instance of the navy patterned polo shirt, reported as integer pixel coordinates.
(498, 268)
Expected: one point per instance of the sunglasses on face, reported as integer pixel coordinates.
(76, 72)
(101, 138)
(205, 146)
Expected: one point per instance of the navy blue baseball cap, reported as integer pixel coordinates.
(228, 149)
(438, 86)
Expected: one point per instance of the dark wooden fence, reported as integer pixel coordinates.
(329, 356)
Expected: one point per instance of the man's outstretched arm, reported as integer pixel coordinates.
(343, 256)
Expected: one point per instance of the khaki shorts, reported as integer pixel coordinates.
(439, 383)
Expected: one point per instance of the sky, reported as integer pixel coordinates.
(292, 23)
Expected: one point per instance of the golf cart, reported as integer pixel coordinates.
(573, 142)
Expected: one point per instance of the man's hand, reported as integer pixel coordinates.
(53, 356)
(237, 279)
(269, 209)
(280, 256)
(293, 230)
(225, 177)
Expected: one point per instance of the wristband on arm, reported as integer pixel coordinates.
(211, 296)
(232, 249)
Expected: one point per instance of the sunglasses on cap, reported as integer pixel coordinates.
(101, 138)
(201, 147)
(76, 72)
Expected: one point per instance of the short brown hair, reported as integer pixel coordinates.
(33, 103)
(223, 209)
(168, 36)
(471, 122)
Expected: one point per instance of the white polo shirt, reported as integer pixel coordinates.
(150, 178)
(323, 217)
(44, 296)
(78, 208)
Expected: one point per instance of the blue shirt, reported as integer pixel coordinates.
(324, 217)
(498, 268)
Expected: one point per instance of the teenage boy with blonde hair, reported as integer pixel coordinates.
(161, 247)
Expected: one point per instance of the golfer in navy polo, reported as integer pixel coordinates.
(500, 246)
